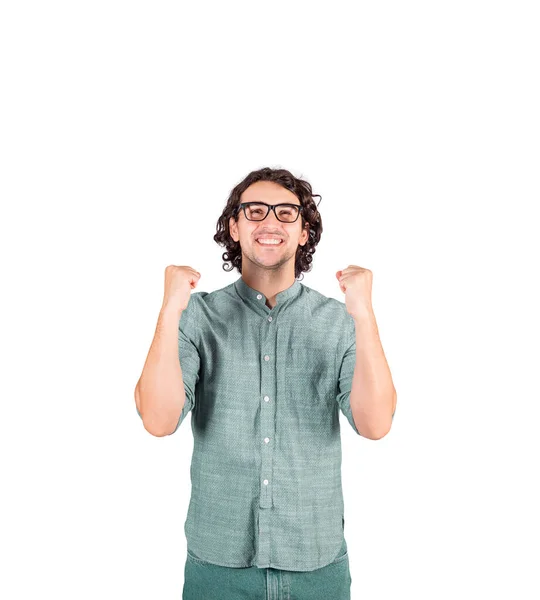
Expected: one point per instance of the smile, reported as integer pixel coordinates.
(269, 242)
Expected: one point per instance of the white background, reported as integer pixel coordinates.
(124, 126)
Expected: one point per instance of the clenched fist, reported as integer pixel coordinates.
(179, 281)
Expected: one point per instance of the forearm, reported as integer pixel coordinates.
(160, 393)
(373, 396)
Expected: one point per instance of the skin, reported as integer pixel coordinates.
(268, 269)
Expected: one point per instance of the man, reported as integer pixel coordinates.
(265, 364)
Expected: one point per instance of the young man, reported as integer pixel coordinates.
(265, 364)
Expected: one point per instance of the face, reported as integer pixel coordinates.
(246, 232)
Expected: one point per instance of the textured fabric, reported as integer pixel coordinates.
(265, 386)
(213, 582)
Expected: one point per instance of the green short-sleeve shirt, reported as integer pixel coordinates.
(265, 387)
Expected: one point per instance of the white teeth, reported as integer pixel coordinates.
(269, 241)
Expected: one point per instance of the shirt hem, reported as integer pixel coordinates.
(266, 566)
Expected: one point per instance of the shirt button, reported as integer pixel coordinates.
(266, 398)
(265, 482)
(269, 318)
(266, 357)
(259, 296)
(266, 440)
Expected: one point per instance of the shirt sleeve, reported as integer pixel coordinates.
(188, 355)
(345, 375)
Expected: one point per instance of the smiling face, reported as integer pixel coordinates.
(268, 256)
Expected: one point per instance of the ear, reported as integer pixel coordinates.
(233, 229)
(305, 235)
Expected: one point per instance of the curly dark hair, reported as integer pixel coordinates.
(310, 214)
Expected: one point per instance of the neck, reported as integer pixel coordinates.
(268, 282)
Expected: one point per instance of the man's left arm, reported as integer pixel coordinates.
(373, 397)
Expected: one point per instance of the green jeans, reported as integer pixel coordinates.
(205, 581)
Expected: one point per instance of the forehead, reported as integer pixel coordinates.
(269, 192)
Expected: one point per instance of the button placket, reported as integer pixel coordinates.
(267, 425)
(268, 382)
(266, 439)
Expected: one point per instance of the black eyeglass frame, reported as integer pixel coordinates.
(269, 208)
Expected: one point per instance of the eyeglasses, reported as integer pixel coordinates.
(258, 211)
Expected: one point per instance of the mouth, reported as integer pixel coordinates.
(269, 242)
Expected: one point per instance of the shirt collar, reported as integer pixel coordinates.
(252, 295)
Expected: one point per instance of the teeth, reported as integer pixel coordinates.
(269, 241)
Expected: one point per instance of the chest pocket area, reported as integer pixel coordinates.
(310, 376)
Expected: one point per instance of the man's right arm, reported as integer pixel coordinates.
(160, 394)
